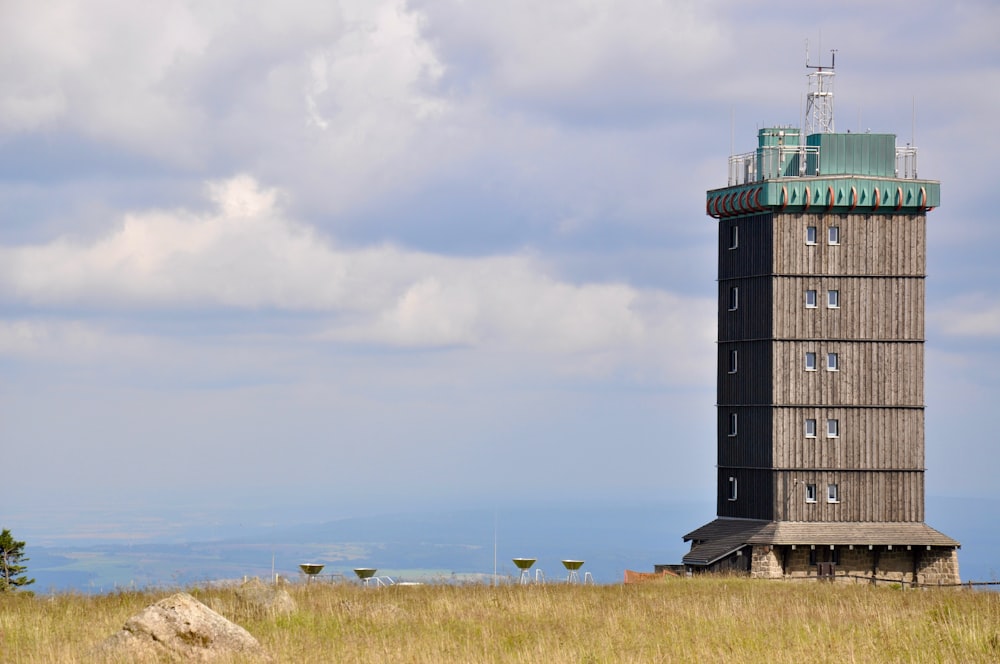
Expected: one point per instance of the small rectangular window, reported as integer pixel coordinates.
(832, 362)
(810, 428)
(810, 361)
(732, 488)
(810, 235)
(832, 493)
(810, 299)
(833, 235)
(832, 428)
(733, 361)
(810, 493)
(734, 298)
(734, 236)
(833, 299)
(732, 425)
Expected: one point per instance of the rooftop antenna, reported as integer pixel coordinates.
(819, 100)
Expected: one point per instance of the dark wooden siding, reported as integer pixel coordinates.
(751, 446)
(752, 317)
(753, 255)
(754, 498)
(752, 383)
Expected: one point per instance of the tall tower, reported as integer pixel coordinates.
(820, 397)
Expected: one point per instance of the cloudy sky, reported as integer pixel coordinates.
(385, 254)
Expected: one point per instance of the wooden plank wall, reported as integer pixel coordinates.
(752, 255)
(751, 445)
(752, 317)
(755, 496)
(864, 496)
(870, 244)
(752, 383)
(870, 439)
(870, 308)
(871, 374)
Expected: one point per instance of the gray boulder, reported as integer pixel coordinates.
(180, 628)
(256, 599)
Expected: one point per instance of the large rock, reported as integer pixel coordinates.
(256, 599)
(181, 628)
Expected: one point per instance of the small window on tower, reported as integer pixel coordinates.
(810, 493)
(733, 361)
(810, 235)
(732, 488)
(810, 299)
(832, 362)
(832, 493)
(734, 298)
(810, 361)
(732, 424)
(833, 299)
(810, 428)
(832, 428)
(734, 236)
(833, 235)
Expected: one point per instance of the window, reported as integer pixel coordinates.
(734, 237)
(733, 363)
(832, 362)
(832, 493)
(833, 299)
(832, 428)
(810, 361)
(732, 488)
(810, 299)
(734, 298)
(810, 428)
(810, 235)
(810, 493)
(732, 425)
(833, 235)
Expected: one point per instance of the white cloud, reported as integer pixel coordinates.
(972, 315)
(245, 254)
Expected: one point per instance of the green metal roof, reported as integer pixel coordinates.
(837, 173)
(837, 194)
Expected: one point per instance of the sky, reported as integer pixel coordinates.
(330, 258)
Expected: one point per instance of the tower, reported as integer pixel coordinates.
(820, 385)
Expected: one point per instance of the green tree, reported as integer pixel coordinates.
(12, 574)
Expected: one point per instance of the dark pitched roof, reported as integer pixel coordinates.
(721, 537)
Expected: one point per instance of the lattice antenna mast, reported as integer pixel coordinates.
(819, 100)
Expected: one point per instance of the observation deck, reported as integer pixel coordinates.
(838, 173)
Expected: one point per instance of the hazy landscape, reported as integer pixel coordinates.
(455, 545)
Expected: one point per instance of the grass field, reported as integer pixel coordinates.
(675, 620)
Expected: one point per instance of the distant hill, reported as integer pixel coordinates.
(455, 545)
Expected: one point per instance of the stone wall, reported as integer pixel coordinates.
(939, 566)
(935, 566)
(765, 562)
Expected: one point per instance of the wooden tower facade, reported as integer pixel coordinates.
(820, 397)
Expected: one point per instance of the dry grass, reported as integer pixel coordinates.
(703, 619)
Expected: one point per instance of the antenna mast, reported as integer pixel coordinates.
(819, 100)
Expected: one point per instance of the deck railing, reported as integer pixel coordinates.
(792, 161)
